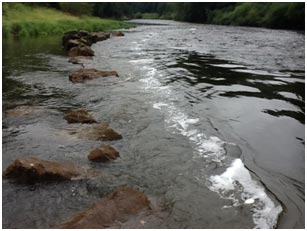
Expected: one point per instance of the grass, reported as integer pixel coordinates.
(25, 21)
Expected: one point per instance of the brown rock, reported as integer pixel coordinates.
(103, 154)
(32, 169)
(80, 116)
(117, 207)
(72, 43)
(117, 33)
(80, 50)
(25, 110)
(99, 36)
(88, 74)
(101, 132)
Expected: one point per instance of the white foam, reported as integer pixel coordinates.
(141, 61)
(265, 213)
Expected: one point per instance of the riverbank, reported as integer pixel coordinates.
(25, 21)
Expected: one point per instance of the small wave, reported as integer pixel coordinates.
(265, 213)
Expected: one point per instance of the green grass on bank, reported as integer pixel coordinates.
(26, 21)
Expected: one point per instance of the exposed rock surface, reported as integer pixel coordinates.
(100, 131)
(117, 207)
(117, 33)
(76, 38)
(80, 116)
(32, 169)
(104, 153)
(80, 50)
(88, 74)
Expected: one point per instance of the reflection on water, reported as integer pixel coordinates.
(213, 73)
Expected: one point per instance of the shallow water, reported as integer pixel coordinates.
(212, 119)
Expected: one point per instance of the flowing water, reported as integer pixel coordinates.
(212, 119)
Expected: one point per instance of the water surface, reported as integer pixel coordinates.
(212, 119)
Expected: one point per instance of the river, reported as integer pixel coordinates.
(212, 119)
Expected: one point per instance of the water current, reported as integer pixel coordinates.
(212, 119)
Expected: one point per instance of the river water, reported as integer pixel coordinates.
(212, 119)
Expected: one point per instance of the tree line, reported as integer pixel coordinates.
(281, 15)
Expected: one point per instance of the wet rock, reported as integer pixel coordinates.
(81, 39)
(80, 116)
(70, 35)
(80, 50)
(117, 207)
(104, 153)
(32, 169)
(24, 110)
(89, 74)
(101, 132)
(72, 43)
(117, 33)
(98, 36)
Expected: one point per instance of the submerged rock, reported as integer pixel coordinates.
(80, 116)
(117, 207)
(24, 110)
(80, 59)
(32, 169)
(104, 153)
(88, 74)
(101, 132)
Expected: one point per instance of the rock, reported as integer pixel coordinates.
(117, 207)
(103, 154)
(32, 169)
(71, 43)
(101, 132)
(69, 36)
(80, 116)
(117, 33)
(89, 74)
(81, 50)
(99, 36)
(25, 110)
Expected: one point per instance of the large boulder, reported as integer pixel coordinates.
(117, 207)
(89, 74)
(104, 153)
(100, 132)
(79, 116)
(33, 169)
(80, 50)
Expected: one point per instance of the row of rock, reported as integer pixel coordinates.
(123, 201)
(77, 43)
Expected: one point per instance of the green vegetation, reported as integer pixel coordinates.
(31, 20)
(273, 15)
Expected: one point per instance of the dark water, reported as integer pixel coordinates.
(212, 119)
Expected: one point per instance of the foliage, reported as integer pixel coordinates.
(24, 20)
(273, 15)
(77, 8)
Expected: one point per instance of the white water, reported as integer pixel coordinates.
(235, 183)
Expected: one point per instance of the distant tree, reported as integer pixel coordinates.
(77, 8)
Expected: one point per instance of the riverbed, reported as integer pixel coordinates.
(212, 119)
